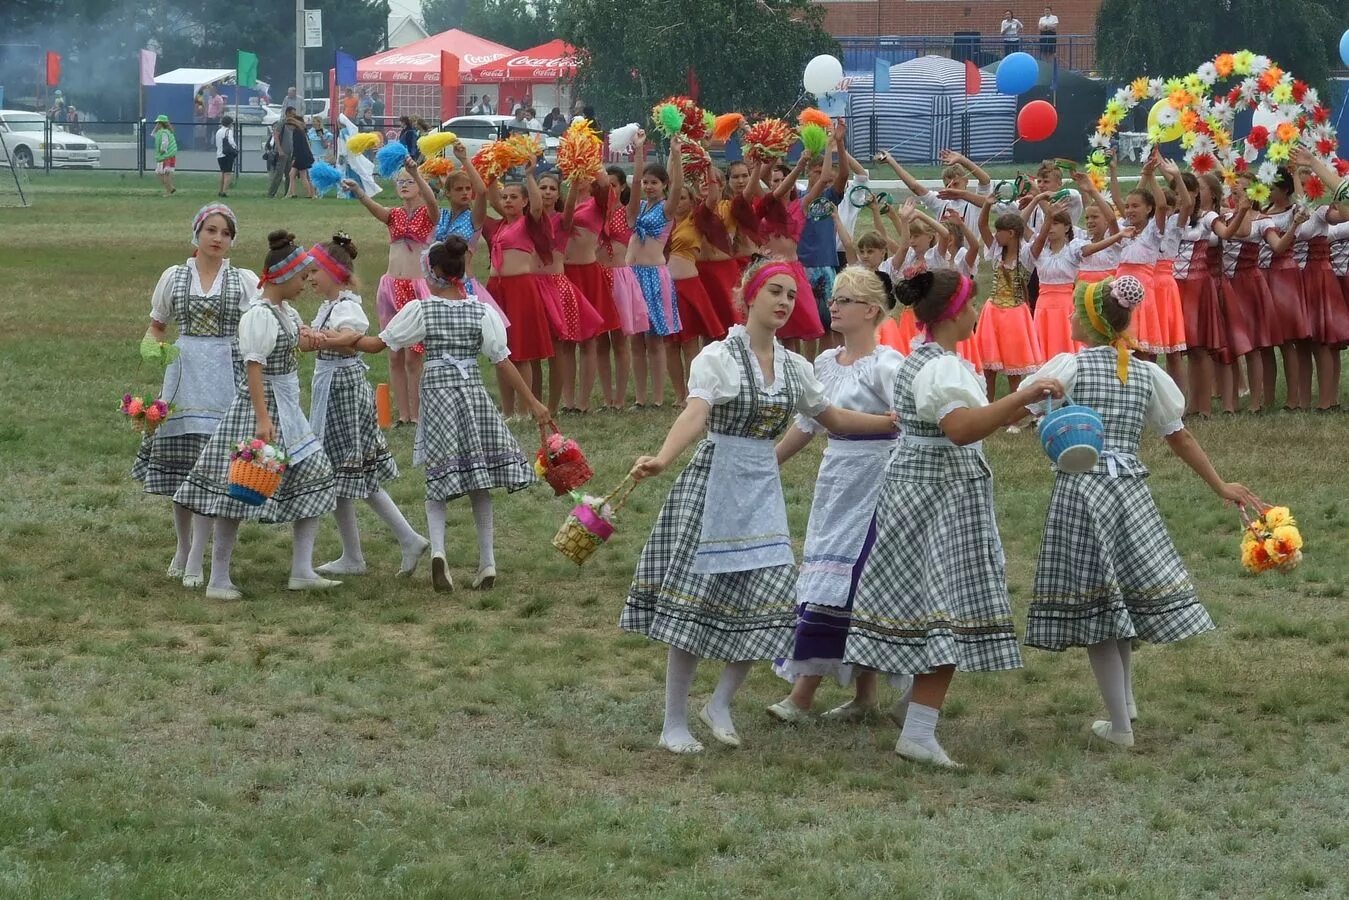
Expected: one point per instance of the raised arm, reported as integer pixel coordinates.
(1238, 225)
(952, 158)
(354, 188)
(428, 194)
(1115, 196)
(985, 231)
(1088, 188)
(826, 176)
(638, 167)
(1046, 220)
(845, 238)
(579, 186)
(787, 184)
(1282, 241)
(685, 430)
(909, 181)
(1152, 185)
(536, 210)
(676, 170)
(845, 162)
(1113, 237)
(1184, 200)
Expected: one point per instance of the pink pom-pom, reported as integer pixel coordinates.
(1128, 291)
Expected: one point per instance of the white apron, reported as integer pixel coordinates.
(300, 440)
(846, 493)
(744, 516)
(324, 370)
(199, 384)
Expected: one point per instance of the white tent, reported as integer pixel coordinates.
(195, 77)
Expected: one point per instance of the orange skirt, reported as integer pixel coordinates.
(1006, 340)
(901, 335)
(1170, 313)
(1094, 276)
(1144, 326)
(1053, 320)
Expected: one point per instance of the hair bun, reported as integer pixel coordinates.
(909, 291)
(343, 240)
(281, 239)
(888, 284)
(1127, 291)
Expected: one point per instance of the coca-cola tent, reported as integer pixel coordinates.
(553, 61)
(410, 76)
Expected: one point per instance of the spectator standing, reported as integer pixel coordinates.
(550, 120)
(350, 104)
(73, 120)
(532, 120)
(226, 152)
(377, 108)
(1011, 33)
(282, 152)
(292, 101)
(319, 141)
(166, 153)
(302, 158)
(488, 107)
(365, 106)
(1049, 32)
(407, 135)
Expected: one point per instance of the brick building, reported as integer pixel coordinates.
(941, 17)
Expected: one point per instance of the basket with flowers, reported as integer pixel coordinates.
(1270, 540)
(256, 468)
(146, 413)
(560, 461)
(590, 523)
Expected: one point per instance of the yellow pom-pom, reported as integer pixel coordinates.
(363, 142)
(434, 144)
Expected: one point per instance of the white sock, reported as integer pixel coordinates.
(182, 530)
(1109, 671)
(719, 707)
(920, 726)
(386, 509)
(482, 520)
(350, 533)
(435, 525)
(303, 534)
(201, 533)
(679, 672)
(226, 532)
(1126, 655)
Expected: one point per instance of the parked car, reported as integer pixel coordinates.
(251, 113)
(476, 132)
(313, 106)
(22, 137)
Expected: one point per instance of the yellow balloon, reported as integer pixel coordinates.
(1169, 133)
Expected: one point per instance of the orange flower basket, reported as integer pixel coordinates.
(251, 483)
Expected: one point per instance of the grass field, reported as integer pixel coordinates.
(385, 741)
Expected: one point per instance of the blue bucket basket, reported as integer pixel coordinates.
(1073, 437)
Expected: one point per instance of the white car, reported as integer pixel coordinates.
(313, 106)
(476, 132)
(22, 136)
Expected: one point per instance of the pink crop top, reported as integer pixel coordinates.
(587, 215)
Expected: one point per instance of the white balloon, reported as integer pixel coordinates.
(822, 75)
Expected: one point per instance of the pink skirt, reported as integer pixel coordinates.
(1327, 306)
(570, 313)
(598, 289)
(1288, 320)
(697, 316)
(395, 293)
(804, 323)
(1006, 340)
(1053, 320)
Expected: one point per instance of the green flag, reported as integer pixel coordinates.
(246, 72)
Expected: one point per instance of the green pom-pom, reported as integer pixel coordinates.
(709, 121)
(815, 139)
(669, 119)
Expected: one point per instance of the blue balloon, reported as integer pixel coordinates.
(1344, 48)
(1017, 73)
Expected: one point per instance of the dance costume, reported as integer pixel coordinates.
(1138, 257)
(342, 407)
(719, 276)
(779, 219)
(415, 232)
(1054, 310)
(590, 277)
(1288, 318)
(698, 316)
(841, 513)
(1327, 306)
(528, 332)
(1107, 568)
(570, 313)
(1100, 265)
(461, 224)
(201, 382)
(462, 441)
(717, 577)
(1339, 255)
(1170, 318)
(270, 335)
(1245, 299)
(1006, 335)
(901, 335)
(1204, 328)
(657, 288)
(933, 590)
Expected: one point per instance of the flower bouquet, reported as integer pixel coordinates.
(560, 461)
(590, 523)
(146, 414)
(1271, 540)
(256, 468)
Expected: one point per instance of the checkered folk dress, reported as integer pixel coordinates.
(732, 615)
(933, 591)
(462, 440)
(307, 488)
(163, 460)
(1107, 567)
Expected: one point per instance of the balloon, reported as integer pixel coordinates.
(1168, 132)
(1037, 120)
(1344, 48)
(1018, 73)
(1265, 118)
(822, 75)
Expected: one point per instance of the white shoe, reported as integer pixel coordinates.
(311, 584)
(486, 579)
(918, 753)
(852, 711)
(215, 593)
(1105, 730)
(725, 736)
(682, 749)
(1133, 712)
(441, 582)
(787, 711)
(412, 560)
(175, 572)
(193, 581)
(338, 567)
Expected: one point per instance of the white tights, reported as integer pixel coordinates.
(304, 532)
(679, 671)
(1111, 663)
(350, 531)
(481, 501)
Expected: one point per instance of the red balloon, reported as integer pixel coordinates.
(1036, 121)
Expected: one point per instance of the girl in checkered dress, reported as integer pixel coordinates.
(342, 414)
(462, 441)
(1108, 572)
(932, 597)
(267, 406)
(203, 298)
(717, 577)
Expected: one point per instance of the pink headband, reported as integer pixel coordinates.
(761, 276)
(326, 262)
(958, 301)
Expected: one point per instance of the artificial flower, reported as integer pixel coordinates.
(1207, 73)
(1123, 96)
(1278, 153)
(1325, 146)
(1261, 64)
(1242, 61)
(1267, 173)
(1286, 132)
(1320, 115)
(1139, 87)
(1258, 137)
(1105, 126)
(1313, 187)
(1270, 78)
(1278, 516)
(1099, 141)
(1189, 119)
(1168, 115)
(1258, 193)
(1283, 93)
(1341, 166)
(1187, 140)
(1203, 163)
(135, 406)
(1310, 98)
(1116, 110)
(1221, 138)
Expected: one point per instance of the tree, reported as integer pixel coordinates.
(442, 15)
(520, 24)
(1132, 39)
(747, 56)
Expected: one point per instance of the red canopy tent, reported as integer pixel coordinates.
(412, 78)
(553, 61)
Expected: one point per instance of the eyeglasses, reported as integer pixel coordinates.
(843, 301)
(404, 183)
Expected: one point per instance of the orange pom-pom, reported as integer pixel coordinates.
(812, 116)
(726, 125)
(579, 151)
(437, 167)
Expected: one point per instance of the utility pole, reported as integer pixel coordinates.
(299, 52)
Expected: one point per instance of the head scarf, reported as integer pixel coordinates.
(959, 300)
(213, 209)
(1126, 291)
(341, 274)
(288, 268)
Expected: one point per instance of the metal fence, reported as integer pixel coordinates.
(1075, 52)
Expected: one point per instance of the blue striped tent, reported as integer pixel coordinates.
(926, 111)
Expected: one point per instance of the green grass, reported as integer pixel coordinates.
(384, 741)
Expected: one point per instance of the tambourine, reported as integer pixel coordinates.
(862, 196)
(820, 209)
(1067, 166)
(1341, 193)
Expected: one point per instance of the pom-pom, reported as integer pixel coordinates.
(726, 125)
(621, 139)
(1341, 166)
(324, 177)
(390, 159)
(523, 147)
(668, 119)
(709, 121)
(814, 138)
(1128, 291)
(489, 162)
(768, 141)
(363, 142)
(435, 143)
(812, 116)
(578, 153)
(695, 160)
(437, 167)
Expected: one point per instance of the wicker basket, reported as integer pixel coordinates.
(563, 476)
(251, 483)
(584, 530)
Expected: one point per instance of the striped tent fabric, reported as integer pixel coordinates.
(927, 111)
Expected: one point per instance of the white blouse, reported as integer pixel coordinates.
(1171, 237)
(1076, 208)
(161, 301)
(993, 253)
(1166, 407)
(865, 385)
(1142, 249)
(408, 327)
(259, 330)
(970, 212)
(344, 312)
(1106, 260)
(1060, 267)
(1200, 232)
(944, 385)
(714, 376)
(1339, 248)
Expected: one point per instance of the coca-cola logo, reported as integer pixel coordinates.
(557, 62)
(478, 60)
(406, 59)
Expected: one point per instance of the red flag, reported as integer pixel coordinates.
(449, 84)
(693, 84)
(974, 79)
(53, 68)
